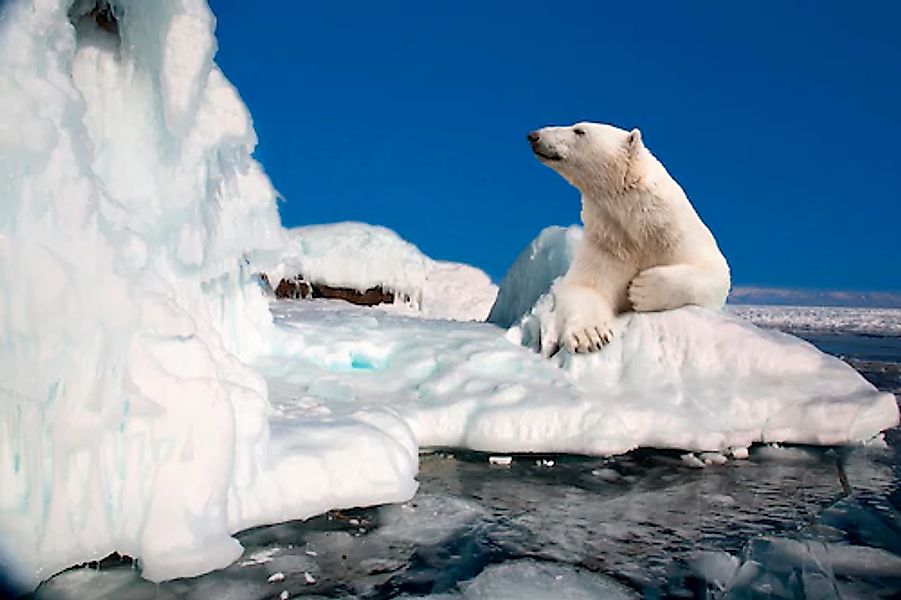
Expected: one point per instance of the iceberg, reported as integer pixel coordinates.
(131, 213)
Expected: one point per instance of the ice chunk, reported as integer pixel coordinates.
(529, 579)
(545, 259)
(359, 256)
(689, 379)
(131, 217)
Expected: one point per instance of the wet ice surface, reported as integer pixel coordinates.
(778, 524)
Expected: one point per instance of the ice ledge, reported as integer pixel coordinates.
(698, 379)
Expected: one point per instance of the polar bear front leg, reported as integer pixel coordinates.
(673, 286)
(584, 317)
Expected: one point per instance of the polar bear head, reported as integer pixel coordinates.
(591, 156)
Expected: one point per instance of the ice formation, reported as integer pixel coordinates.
(689, 379)
(545, 259)
(362, 256)
(137, 351)
(532, 579)
(822, 319)
(131, 213)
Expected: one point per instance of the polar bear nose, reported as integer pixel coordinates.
(533, 137)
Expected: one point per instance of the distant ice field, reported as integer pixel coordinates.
(824, 319)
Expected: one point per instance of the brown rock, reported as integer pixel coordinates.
(294, 288)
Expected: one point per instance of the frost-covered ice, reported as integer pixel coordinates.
(361, 256)
(688, 379)
(545, 259)
(137, 351)
(131, 213)
(822, 319)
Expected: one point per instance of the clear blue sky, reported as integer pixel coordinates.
(782, 120)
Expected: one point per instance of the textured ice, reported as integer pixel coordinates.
(361, 256)
(822, 319)
(137, 351)
(534, 580)
(689, 379)
(545, 259)
(131, 213)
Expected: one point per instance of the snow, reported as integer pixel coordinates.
(149, 405)
(689, 379)
(361, 256)
(822, 319)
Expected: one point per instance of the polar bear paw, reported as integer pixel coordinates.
(657, 288)
(584, 321)
(587, 338)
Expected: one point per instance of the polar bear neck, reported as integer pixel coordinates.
(631, 213)
(630, 226)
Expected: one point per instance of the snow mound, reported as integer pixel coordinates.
(690, 379)
(361, 256)
(700, 379)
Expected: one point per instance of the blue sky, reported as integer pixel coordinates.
(780, 119)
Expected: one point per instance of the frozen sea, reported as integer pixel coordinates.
(787, 522)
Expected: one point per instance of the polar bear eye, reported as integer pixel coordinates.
(579, 131)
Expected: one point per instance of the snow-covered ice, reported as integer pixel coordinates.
(823, 319)
(150, 406)
(361, 256)
(689, 379)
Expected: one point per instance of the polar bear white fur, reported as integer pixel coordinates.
(644, 246)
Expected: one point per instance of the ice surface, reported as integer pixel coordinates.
(131, 212)
(361, 256)
(662, 529)
(689, 379)
(545, 259)
(821, 319)
(533, 580)
(137, 351)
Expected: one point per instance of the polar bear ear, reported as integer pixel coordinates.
(634, 142)
(633, 148)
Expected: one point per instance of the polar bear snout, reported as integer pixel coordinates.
(542, 149)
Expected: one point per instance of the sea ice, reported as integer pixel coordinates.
(361, 256)
(530, 579)
(150, 406)
(824, 319)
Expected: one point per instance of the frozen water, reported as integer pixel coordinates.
(820, 319)
(531, 580)
(545, 259)
(688, 379)
(148, 405)
(130, 214)
(361, 256)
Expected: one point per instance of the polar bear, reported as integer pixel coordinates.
(644, 247)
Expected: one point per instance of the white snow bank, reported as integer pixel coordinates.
(688, 379)
(131, 213)
(361, 256)
(822, 319)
